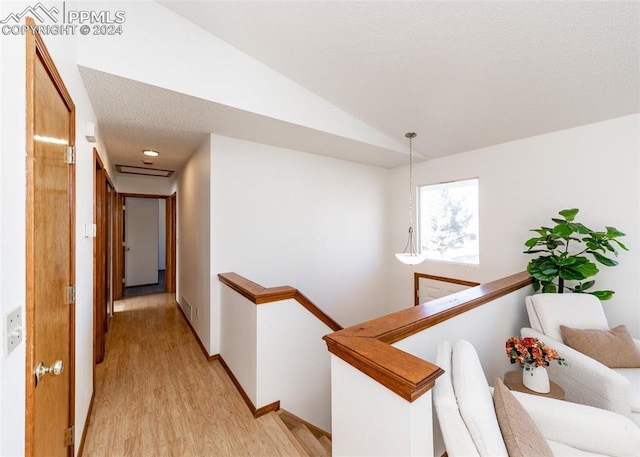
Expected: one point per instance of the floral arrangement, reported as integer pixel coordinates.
(530, 352)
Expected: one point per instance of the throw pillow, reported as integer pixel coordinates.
(614, 348)
(520, 434)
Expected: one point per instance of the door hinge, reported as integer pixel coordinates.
(124, 208)
(69, 436)
(71, 294)
(70, 157)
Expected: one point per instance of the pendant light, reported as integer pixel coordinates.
(410, 256)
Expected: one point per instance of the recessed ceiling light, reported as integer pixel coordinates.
(151, 153)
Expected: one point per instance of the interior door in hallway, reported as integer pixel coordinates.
(50, 254)
(141, 241)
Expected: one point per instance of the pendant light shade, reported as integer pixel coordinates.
(410, 256)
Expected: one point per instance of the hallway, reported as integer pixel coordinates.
(156, 394)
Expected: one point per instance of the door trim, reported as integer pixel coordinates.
(35, 48)
(170, 243)
(170, 248)
(100, 257)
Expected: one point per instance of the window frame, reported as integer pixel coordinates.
(419, 203)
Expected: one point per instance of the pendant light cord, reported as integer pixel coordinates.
(411, 136)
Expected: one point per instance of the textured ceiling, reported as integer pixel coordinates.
(464, 75)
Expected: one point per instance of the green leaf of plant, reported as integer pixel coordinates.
(569, 214)
(542, 269)
(587, 285)
(581, 229)
(567, 261)
(587, 269)
(536, 285)
(603, 294)
(540, 231)
(549, 288)
(622, 246)
(613, 232)
(533, 241)
(563, 230)
(604, 260)
(558, 221)
(571, 274)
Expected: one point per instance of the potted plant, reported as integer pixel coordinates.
(568, 252)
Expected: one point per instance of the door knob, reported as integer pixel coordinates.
(55, 370)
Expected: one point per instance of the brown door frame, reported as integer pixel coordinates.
(170, 242)
(35, 48)
(170, 249)
(101, 248)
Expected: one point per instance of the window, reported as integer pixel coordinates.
(449, 221)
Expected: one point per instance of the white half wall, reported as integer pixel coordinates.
(282, 217)
(193, 240)
(371, 420)
(523, 184)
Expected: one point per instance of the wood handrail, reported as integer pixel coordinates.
(416, 283)
(258, 295)
(367, 346)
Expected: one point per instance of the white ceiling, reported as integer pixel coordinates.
(464, 75)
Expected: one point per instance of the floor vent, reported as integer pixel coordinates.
(186, 307)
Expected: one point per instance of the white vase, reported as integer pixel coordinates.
(536, 379)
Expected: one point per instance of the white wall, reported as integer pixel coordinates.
(282, 217)
(193, 239)
(12, 225)
(293, 361)
(522, 185)
(146, 185)
(162, 234)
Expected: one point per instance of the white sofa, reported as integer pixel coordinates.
(584, 379)
(464, 407)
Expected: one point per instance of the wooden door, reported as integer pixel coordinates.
(50, 255)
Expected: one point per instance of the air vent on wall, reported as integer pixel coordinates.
(144, 171)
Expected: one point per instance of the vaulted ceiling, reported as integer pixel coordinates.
(464, 75)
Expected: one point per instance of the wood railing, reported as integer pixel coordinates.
(259, 295)
(368, 346)
(416, 283)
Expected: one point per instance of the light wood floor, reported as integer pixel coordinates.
(157, 395)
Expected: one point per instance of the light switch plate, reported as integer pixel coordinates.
(12, 330)
(89, 230)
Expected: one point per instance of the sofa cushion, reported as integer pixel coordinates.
(574, 310)
(457, 439)
(633, 375)
(475, 401)
(613, 348)
(521, 436)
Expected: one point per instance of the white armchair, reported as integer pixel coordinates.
(464, 407)
(584, 379)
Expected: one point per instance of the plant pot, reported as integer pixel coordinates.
(536, 379)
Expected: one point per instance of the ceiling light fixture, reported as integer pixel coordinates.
(410, 256)
(151, 153)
